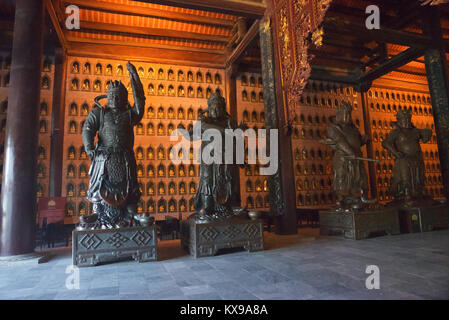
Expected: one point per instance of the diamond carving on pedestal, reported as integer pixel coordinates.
(251, 230)
(90, 241)
(209, 233)
(117, 240)
(231, 232)
(142, 238)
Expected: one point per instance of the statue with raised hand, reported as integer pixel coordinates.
(113, 188)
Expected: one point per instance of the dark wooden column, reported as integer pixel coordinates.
(438, 79)
(282, 184)
(22, 131)
(57, 123)
(231, 96)
(231, 101)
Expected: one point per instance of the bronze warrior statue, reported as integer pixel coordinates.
(409, 171)
(350, 177)
(215, 188)
(113, 188)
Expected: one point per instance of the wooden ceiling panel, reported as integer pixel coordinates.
(246, 8)
(407, 76)
(148, 11)
(156, 10)
(157, 54)
(151, 22)
(104, 37)
(143, 24)
(148, 33)
(154, 5)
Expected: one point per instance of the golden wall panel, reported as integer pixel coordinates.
(250, 110)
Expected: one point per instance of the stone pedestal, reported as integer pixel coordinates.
(422, 219)
(361, 224)
(91, 247)
(205, 239)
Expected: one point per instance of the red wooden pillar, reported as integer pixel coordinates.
(22, 131)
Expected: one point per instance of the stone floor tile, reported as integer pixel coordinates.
(412, 266)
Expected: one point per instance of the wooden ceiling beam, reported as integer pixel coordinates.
(247, 42)
(53, 13)
(404, 19)
(332, 41)
(392, 64)
(411, 70)
(330, 56)
(345, 23)
(384, 35)
(158, 32)
(250, 9)
(73, 39)
(332, 63)
(148, 12)
(333, 75)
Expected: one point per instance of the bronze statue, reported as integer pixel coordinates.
(213, 197)
(350, 177)
(113, 188)
(409, 171)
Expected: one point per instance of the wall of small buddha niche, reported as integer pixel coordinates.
(176, 95)
(46, 103)
(250, 109)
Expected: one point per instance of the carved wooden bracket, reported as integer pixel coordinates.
(294, 22)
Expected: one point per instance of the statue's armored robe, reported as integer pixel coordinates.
(408, 174)
(214, 189)
(350, 177)
(215, 181)
(408, 171)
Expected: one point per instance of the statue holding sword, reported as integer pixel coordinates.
(350, 178)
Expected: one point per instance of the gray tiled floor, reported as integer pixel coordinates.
(412, 266)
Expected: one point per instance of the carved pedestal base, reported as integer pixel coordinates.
(421, 219)
(205, 239)
(361, 224)
(91, 247)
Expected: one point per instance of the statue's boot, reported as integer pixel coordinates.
(89, 219)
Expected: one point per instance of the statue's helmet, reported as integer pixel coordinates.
(345, 107)
(404, 114)
(218, 102)
(118, 87)
(344, 112)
